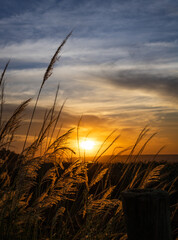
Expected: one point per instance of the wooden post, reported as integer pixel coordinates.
(147, 214)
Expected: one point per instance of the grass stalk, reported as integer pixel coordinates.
(47, 74)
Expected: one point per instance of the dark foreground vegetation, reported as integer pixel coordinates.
(42, 199)
(43, 196)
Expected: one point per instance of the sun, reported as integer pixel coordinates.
(87, 144)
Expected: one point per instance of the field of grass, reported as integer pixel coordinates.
(44, 196)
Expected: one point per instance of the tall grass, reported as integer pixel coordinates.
(42, 196)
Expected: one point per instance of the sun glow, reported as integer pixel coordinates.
(87, 144)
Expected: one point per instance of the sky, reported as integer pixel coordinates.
(118, 70)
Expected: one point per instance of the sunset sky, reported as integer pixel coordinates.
(119, 69)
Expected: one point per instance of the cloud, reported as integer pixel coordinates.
(67, 119)
(104, 32)
(166, 86)
(122, 20)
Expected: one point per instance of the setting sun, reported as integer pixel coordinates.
(87, 144)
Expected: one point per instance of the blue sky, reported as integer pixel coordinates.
(119, 67)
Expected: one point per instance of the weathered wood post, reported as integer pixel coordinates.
(147, 214)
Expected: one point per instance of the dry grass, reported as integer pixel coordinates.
(44, 197)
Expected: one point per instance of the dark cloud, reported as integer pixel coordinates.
(166, 86)
(67, 119)
(169, 120)
(20, 64)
